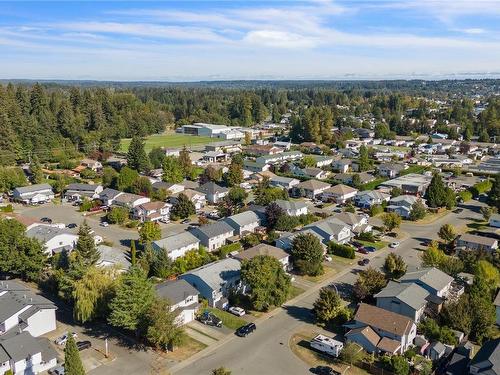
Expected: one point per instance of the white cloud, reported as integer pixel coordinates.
(280, 39)
(474, 31)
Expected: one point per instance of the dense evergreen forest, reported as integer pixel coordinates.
(51, 120)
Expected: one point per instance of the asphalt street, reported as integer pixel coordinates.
(266, 351)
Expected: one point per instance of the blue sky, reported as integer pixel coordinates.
(194, 40)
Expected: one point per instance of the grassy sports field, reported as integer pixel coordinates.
(169, 140)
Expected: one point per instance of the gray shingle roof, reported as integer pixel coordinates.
(290, 205)
(213, 230)
(215, 274)
(488, 358)
(176, 241)
(243, 218)
(20, 346)
(113, 255)
(175, 291)
(32, 188)
(45, 233)
(410, 294)
(82, 187)
(212, 188)
(432, 277)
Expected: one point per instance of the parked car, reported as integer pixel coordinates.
(47, 220)
(362, 250)
(238, 311)
(72, 225)
(458, 210)
(323, 370)
(61, 340)
(246, 330)
(104, 224)
(164, 221)
(370, 249)
(328, 258)
(366, 261)
(394, 244)
(185, 221)
(356, 244)
(82, 345)
(59, 370)
(210, 319)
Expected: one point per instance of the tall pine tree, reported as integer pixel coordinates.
(86, 252)
(72, 362)
(136, 156)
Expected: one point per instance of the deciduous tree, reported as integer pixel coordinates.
(395, 266)
(307, 254)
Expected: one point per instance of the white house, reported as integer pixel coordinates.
(311, 188)
(473, 242)
(177, 245)
(24, 354)
(130, 201)
(339, 193)
(22, 310)
(213, 192)
(108, 196)
(292, 208)
(408, 299)
(435, 281)
(264, 249)
(394, 332)
(33, 194)
(152, 211)
(366, 199)
(244, 222)
(183, 298)
(391, 170)
(78, 191)
(55, 239)
(214, 235)
(215, 281)
(112, 257)
(92, 164)
(357, 223)
(331, 229)
(198, 198)
(402, 205)
(342, 165)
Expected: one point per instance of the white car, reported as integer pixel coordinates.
(62, 339)
(394, 244)
(104, 224)
(238, 311)
(328, 258)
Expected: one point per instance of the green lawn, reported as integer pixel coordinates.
(377, 245)
(228, 319)
(372, 185)
(169, 140)
(295, 291)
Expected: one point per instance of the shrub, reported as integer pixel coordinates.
(376, 209)
(117, 215)
(343, 251)
(226, 249)
(465, 195)
(367, 236)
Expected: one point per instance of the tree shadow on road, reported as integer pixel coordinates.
(302, 314)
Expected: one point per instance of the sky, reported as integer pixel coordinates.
(219, 40)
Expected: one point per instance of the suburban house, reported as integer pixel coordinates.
(331, 229)
(177, 245)
(213, 192)
(292, 208)
(260, 150)
(408, 299)
(21, 310)
(168, 187)
(22, 354)
(357, 223)
(199, 199)
(183, 299)
(310, 188)
(152, 211)
(487, 359)
(112, 257)
(265, 249)
(495, 221)
(215, 156)
(366, 199)
(402, 205)
(254, 166)
(474, 242)
(390, 170)
(214, 235)
(348, 178)
(436, 351)
(280, 158)
(282, 182)
(215, 281)
(244, 222)
(55, 239)
(130, 201)
(92, 164)
(339, 193)
(396, 332)
(33, 194)
(342, 165)
(323, 161)
(27, 221)
(108, 196)
(435, 281)
(78, 191)
(316, 173)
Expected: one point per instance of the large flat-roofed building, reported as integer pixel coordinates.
(213, 131)
(412, 183)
